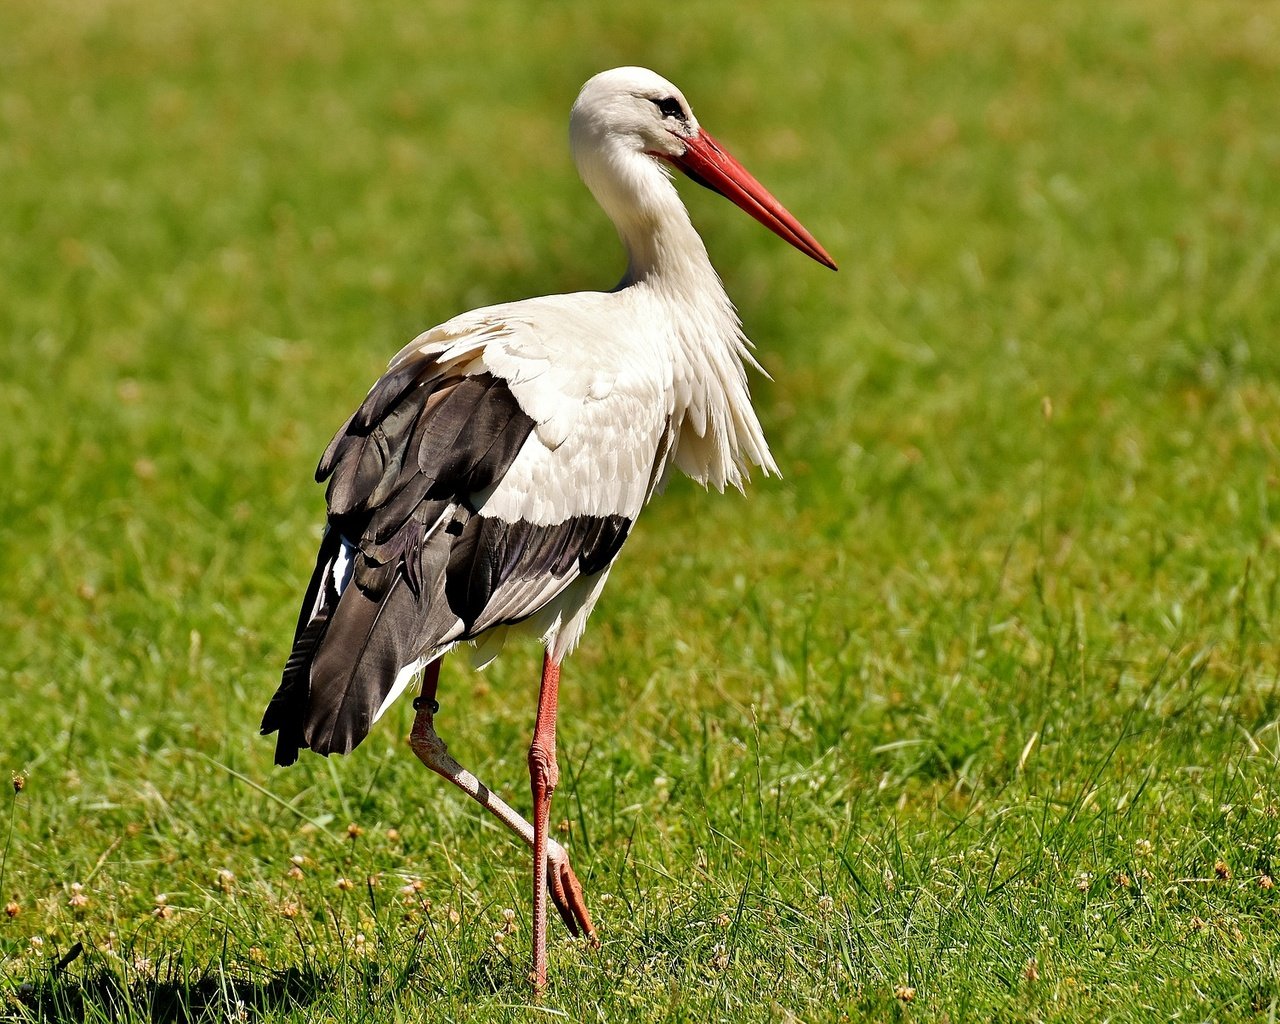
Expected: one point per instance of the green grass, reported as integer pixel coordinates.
(980, 701)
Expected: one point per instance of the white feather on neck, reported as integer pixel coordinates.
(672, 282)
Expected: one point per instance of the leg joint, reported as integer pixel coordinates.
(429, 747)
(543, 769)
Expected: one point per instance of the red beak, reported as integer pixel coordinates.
(707, 163)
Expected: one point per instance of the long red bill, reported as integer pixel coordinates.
(709, 164)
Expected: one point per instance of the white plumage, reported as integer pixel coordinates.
(491, 476)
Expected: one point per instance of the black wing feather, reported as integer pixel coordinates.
(402, 473)
(287, 709)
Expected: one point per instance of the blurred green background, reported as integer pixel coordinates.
(971, 716)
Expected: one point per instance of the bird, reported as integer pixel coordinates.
(486, 484)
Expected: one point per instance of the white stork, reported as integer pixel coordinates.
(489, 479)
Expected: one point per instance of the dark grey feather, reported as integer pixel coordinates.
(492, 557)
(428, 569)
(288, 706)
(420, 444)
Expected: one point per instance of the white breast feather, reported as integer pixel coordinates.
(602, 374)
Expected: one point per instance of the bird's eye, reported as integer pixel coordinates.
(670, 107)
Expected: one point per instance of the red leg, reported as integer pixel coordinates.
(430, 683)
(544, 773)
(562, 884)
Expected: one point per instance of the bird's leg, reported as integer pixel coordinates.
(566, 893)
(544, 773)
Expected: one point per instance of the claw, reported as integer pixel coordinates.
(566, 894)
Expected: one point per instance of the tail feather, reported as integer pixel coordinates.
(361, 623)
(285, 713)
(369, 639)
(288, 705)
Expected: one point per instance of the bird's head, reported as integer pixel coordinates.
(632, 112)
(633, 109)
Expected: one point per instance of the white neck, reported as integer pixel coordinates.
(641, 200)
(719, 436)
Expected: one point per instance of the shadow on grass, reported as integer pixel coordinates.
(492, 973)
(172, 994)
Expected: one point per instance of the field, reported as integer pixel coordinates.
(971, 716)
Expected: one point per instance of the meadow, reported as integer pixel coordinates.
(971, 716)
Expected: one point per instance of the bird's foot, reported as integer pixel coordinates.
(566, 893)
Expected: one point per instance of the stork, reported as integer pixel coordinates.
(487, 482)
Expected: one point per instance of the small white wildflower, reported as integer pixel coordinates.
(162, 910)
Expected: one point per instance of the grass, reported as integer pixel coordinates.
(973, 716)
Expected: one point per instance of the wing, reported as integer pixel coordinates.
(448, 515)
